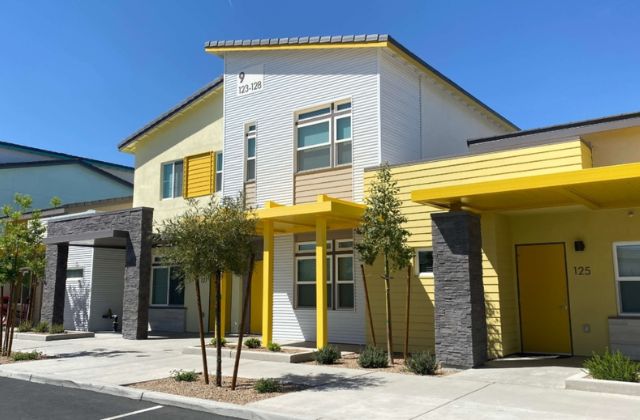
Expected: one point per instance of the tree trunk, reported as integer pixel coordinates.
(32, 297)
(218, 330)
(388, 303)
(205, 369)
(243, 316)
(1, 319)
(406, 321)
(369, 315)
(8, 322)
(13, 318)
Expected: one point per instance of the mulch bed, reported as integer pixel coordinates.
(243, 394)
(261, 349)
(4, 360)
(350, 361)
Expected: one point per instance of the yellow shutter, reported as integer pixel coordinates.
(199, 175)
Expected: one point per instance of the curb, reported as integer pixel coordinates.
(197, 404)
(582, 382)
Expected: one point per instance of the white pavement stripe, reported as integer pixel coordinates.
(155, 407)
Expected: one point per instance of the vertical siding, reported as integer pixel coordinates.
(107, 287)
(77, 302)
(294, 80)
(399, 110)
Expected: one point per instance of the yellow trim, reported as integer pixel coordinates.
(451, 196)
(236, 48)
(321, 283)
(267, 283)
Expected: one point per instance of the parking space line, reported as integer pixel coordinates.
(155, 407)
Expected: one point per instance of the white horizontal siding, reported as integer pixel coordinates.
(295, 80)
(77, 301)
(107, 287)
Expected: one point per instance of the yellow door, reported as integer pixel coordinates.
(256, 299)
(544, 303)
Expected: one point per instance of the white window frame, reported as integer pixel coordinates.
(619, 278)
(338, 282)
(417, 262)
(312, 283)
(153, 280)
(81, 276)
(173, 180)
(331, 117)
(219, 171)
(251, 134)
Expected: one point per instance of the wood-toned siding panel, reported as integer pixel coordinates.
(337, 183)
(250, 194)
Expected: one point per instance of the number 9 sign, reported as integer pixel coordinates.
(250, 80)
(241, 76)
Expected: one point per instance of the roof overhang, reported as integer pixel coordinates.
(299, 218)
(595, 188)
(87, 236)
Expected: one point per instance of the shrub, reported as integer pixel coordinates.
(184, 375)
(24, 355)
(274, 347)
(264, 385)
(372, 357)
(422, 363)
(41, 327)
(223, 341)
(56, 329)
(252, 343)
(327, 355)
(25, 326)
(612, 367)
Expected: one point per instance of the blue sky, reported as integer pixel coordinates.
(78, 76)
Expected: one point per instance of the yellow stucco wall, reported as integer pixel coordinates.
(197, 130)
(499, 280)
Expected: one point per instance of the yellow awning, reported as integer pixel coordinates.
(603, 187)
(340, 214)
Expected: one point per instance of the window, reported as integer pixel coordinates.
(250, 172)
(424, 261)
(340, 277)
(219, 162)
(75, 273)
(324, 137)
(167, 286)
(172, 179)
(627, 267)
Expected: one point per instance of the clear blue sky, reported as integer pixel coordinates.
(79, 76)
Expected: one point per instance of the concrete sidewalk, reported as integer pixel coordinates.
(512, 390)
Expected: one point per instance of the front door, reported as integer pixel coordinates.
(544, 303)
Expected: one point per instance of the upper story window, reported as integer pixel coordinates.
(172, 179)
(250, 170)
(219, 162)
(627, 266)
(324, 137)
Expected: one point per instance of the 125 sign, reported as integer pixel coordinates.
(250, 80)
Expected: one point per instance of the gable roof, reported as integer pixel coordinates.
(59, 155)
(191, 100)
(345, 41)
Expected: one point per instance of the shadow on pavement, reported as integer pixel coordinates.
(324, 381)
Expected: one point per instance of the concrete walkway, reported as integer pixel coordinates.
(503, 389)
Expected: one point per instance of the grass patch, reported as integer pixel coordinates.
(327, 355)
(252, 343)
(223, 342)
(373, 357)
(266, 385)
(20, 356)
(56, 329)
(25, 326)
(275, 347)
(612, 367)
(423, 363)
(41, 327)
(184, 375)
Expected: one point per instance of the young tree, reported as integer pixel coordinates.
(21, 252)
(382, 234)
(206, 241)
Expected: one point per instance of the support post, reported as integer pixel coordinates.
(321, 283)
(267, 283)
(55, 284)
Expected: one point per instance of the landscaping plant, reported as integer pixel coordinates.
(373, 357)
(423, 363)
(41, 327)
(24, 355)
(184, 375)
(275, 347)
(382, 234)
(206, 241)
(326, 355)
(252, 343)
(612, 367)
(265, 385)
(25, 326)
(56, 329)
(214, 341)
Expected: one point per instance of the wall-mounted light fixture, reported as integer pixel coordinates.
(578, 246)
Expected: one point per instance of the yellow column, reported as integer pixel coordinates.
(267, 283)
(321, 282)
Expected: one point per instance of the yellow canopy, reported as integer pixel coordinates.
(603, 187)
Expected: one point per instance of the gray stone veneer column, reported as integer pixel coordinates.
(55, 283)
(460, 322)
